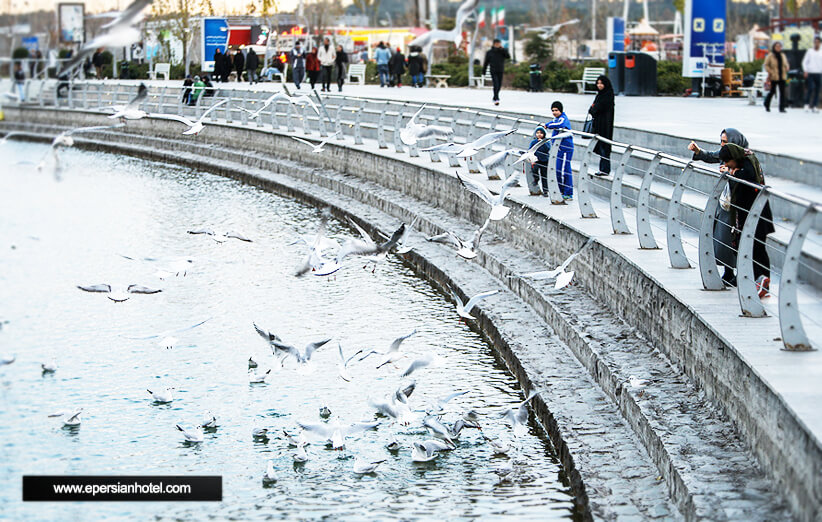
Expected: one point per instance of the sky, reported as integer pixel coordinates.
(96, 6)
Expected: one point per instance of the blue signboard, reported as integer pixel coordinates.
(32, 43)
(704, 36)
(215, 36)
(616, 34)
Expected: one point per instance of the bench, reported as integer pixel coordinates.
(757, 88)
(483, 81)
(589, 76)
(160, 68)
(441, 80)
(357, 70)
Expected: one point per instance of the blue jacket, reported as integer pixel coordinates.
(542, 153)
(382, 56)
(559, 125)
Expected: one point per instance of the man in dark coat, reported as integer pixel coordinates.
(218, 64)
(495, 61)
(97, 61)
(416, 66)
(239, 64)
(297, 64)
(602, 111)
(396, 67)
(251, 64)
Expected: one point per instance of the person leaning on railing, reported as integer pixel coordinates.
(743, 165)
(724, 252)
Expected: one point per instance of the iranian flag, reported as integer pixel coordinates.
(493, 16)
(481, 17)
(501, 16)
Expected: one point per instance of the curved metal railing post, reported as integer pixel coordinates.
(399, 147)
(618, 223)
(289, 119)
(305, 121)
(338, 121)
(553, 185)
(586, 209)
(643, 207)
(749, 299)
(471, 162)
(358, 124)
(161, 98)
(85, 96)
(794, 337)
(676, 251)
(708, 268)
(244, 111)
(381, 131)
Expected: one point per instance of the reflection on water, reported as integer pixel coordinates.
(56, 236)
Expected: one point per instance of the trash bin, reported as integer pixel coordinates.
(616, 70)
(125, 70)
(640, 75)
(796, 89)
(535, 77)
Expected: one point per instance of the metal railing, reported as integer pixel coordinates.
(357, 119)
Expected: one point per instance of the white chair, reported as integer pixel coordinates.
(357, 71)
(589, 76)
(160, 68)
(757, 89)
(484, 81)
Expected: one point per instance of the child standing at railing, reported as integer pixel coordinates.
(539, 170)
(560, 124)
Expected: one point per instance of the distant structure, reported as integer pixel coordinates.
(426, 41)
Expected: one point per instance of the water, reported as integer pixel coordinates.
(54, 236)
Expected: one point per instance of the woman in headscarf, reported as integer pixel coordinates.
(602, 111)
(743, 165)
(776, 65)
(724, 252)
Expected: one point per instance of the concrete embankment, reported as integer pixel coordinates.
(693, 428)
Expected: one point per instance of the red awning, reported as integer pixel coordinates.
(239, 35)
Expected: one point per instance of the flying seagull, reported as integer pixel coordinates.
(316, 148)
(71, 419)
(464, 310)
(118, 294)
(393, 352)
(342, 366)
(303, 357)
(426, 451)
(518, 417)
(132, 111)
(498, 208)
(166, 338)
(194, 127)
(472, 148)
(563, 278)
(364, 245)
(413, 131)
(294, 100)
(335, 432)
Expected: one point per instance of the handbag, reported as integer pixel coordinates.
(588, 126)
(725, 198)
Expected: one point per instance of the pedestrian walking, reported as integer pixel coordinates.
(396, 65)
(297, 64)
(812, 66)
(225, 69)
(495, 61)
(565, 153)
(251, 63)
(383, 56)
(218, 64)
(776, 65)
(97, 61)
(340, 66)
(723, 238)
(327, 56)
(742, 164)
(416, 66)
(20, 81)
(312, 67)
(602, 112)
(239, 64)
(539, 169)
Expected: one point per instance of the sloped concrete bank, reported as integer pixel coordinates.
(708, 471)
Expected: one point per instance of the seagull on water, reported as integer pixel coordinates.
(209, 421)
(464, 310)
(162, 396)
(498, 208)
(438, 429)
(518, 417)
(220, 237)
(316, 149)
(70, 418)
(413, 131)
(194, 435)
(49, 367)
(499, 446)
(364, 466)
(119, 293)
(426, 451)
(257, 378)
(325, 412)
(166, 338)
(297, 441)
(7, 359)
(563, 278)
(335, 432)
(194, 127)
(301, 455)
(270, 476)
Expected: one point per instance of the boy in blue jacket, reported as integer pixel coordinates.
(559, 124)
(539, 170)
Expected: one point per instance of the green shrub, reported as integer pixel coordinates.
(669, 78)
(20, 53)
(746, 67)
(63, 54)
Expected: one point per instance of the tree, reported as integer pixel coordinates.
(175, 16)
(369, 8)
(538, 49)
(321, 13)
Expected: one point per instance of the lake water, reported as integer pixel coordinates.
(54, 236)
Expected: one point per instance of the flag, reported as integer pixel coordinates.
(481, 17)
(493, 16)
(501, 16)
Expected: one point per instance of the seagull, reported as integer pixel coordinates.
(440, 402)
(365, 245)
(8, 135)
(421, 362)
(402, 246)
(518, 417)
(71, 419)
(444, 148)
(166, 339)
(252, 363)
(268, 336)
(163, 396)
(294, 100)
(464, 310)
(471, 418)
(313, 260)
(454, 35)
(393, 353)
(342, 366)
(260, 433)
(64, 139)
(547, 32)
(301, 357)
(464, 249)
(194, 127)
(496, 160)
(219, 237)
(531, 154)
(300, 440)
(118, 294)
(316, 149)
(172, 267)
(499, 446)
(257, 378)
(120, 32)
(413, 131)
(472, 148)
(438, 429)
(131, 110)
(363, 466)
(300, 456)
(270, 476)
(563, 278)
(325, 412)
(6, 360)
(498, 209)
(209, 421)
(193, 436)
(397, 410)
(426, 451)
(635, 382)
(335, 432)
(393, 446)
